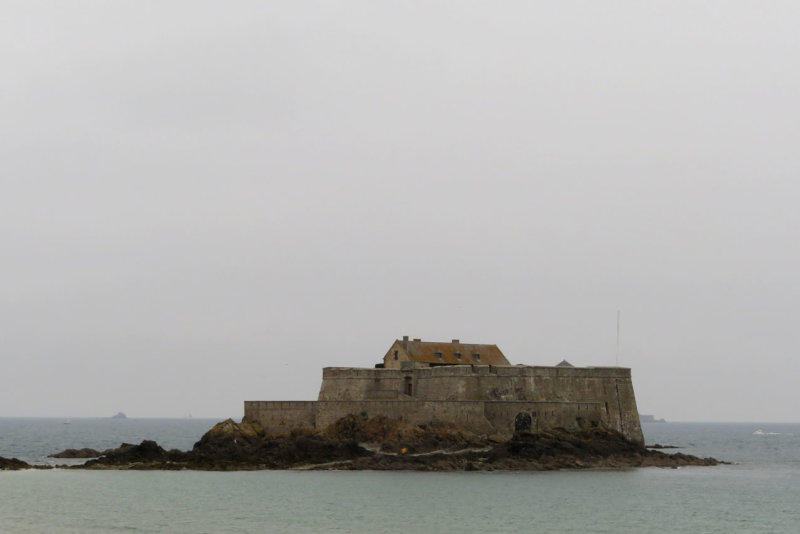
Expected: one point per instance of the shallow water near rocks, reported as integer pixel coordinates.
(758, 494)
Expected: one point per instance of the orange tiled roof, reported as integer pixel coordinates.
(444, 352)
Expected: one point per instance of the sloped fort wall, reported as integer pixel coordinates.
(480, 398)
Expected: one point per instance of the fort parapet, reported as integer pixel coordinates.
(485, 399)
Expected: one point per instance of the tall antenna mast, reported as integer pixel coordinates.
(617, 358)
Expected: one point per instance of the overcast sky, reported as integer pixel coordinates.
(207, 202)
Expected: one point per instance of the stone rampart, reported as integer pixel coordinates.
(278, 417)
(465, 414)
(479, 398)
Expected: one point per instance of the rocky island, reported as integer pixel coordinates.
(379, 443)
(433, 406)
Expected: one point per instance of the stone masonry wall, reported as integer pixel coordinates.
(278, 417)
(483, 399)
(481, 417)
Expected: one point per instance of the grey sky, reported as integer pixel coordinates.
(207, 202)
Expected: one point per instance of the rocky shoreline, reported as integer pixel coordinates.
(379, 443)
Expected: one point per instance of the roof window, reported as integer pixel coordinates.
(457, 355)
(476, 357)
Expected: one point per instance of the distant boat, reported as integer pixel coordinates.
(67, 421)
(119, 415)
(759, 432)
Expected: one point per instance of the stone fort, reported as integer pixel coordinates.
(472, 386)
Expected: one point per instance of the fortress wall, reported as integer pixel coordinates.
(447, 370)
(469, 415)
(278, 417)
(594, 372)
(482, 417)
(509, 383)
(475, 386)
(456, 393)
(627, 411)
(347, 384)
(610, 386)
(544, 415)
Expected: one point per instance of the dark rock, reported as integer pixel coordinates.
(380, 443)
(76, 453)
(12, 464)
(236, 446)
(147, 455)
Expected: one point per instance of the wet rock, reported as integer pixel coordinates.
(244, 446)
(393, 435)
(357, 442)
(12, 464)
(147, 455)
(76, 453)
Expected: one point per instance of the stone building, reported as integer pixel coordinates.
(469, 385)
(405, 353)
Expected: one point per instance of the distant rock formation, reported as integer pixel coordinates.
(119, 415)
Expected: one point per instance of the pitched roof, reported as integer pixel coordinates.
(453, 353)
(564, 363)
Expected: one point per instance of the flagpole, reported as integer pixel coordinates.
(617, 358)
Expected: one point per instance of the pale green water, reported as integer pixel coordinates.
(761, 494)
(650, 500)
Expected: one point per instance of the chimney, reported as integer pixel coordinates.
(405, 342)
(455, 342)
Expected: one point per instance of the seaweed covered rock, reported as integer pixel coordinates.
(595, 447)
(147, 455)
(12, 464)
(559, 442)
(230, 429)
(231, 445)
(382, 443)
(77, 453)
(395, 435)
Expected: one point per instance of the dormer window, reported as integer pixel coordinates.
(438, 354)
(476, 357)
(457, 355)
(395, 355)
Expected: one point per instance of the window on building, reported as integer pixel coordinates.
(395, 355)
(476, 357)
(457, 355)
(438, 354)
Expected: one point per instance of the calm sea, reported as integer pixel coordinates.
(760, 492)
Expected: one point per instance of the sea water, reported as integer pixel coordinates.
(759, 492)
